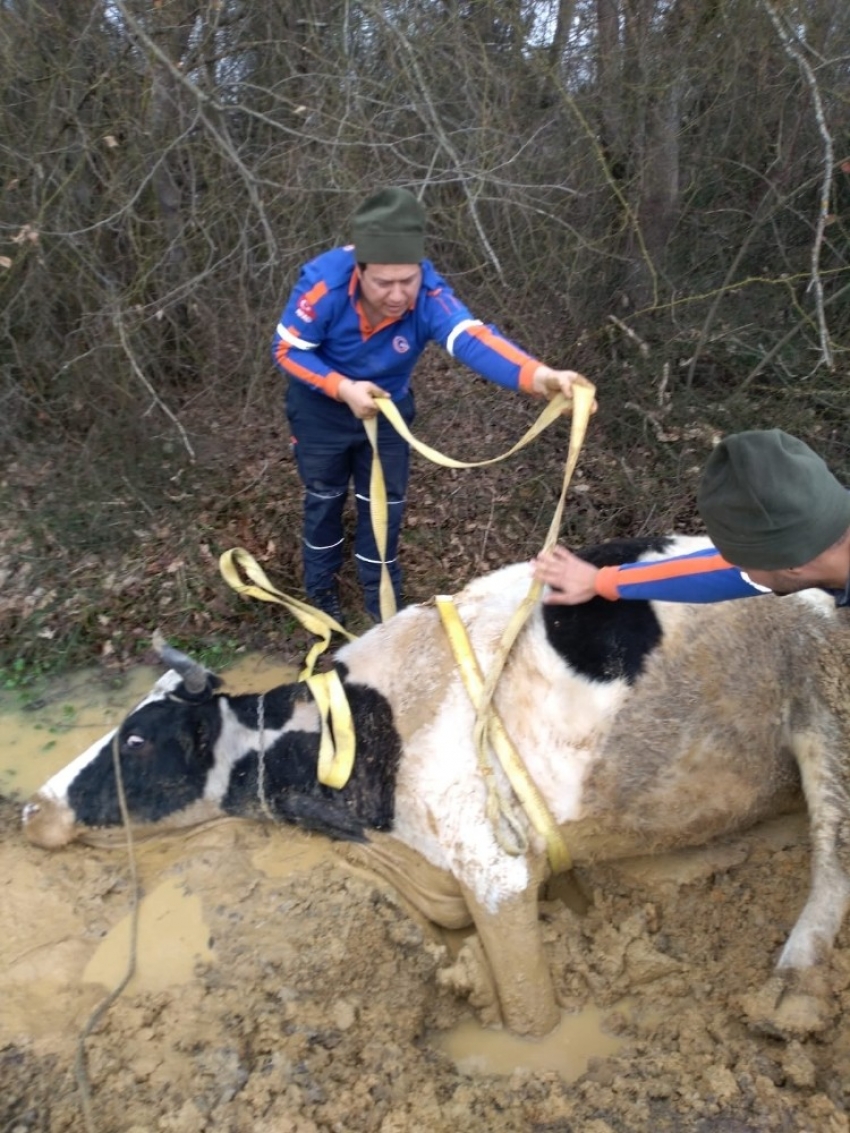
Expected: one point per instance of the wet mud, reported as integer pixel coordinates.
(280, 991)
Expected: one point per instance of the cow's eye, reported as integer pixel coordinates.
(134, 741)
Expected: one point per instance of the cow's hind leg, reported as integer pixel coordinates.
(826, 789)
(513, 945)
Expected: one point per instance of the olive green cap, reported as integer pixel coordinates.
(389, 228)
(769, 502)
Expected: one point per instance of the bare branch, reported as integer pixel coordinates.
(792, 49)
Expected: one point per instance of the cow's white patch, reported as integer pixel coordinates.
(554, 717)
(237, 738)
(820, 601)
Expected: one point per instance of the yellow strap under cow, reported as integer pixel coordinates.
(487, 727)
(517, 774)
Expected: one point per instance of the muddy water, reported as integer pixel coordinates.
(567, 1050)
(41, 733)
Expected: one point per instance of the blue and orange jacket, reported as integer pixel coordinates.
(701, 576)
(324, 336)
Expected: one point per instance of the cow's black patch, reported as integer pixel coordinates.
(292, 791)
(166, 750)
(602, 640)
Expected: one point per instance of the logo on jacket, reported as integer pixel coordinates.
(305, 311)
(400, 344)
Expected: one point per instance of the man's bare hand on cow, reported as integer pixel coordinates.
(547, 383)
(572, 579)
(360, 397)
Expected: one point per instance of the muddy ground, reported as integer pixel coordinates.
(316, 997)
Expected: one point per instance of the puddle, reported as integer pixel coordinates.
(172, 938)
(50, 960)
(70, 714)
(39, 739)
(567, 1050)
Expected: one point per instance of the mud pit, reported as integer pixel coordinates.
(290, 993)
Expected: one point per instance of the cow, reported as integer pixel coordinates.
(646, 727)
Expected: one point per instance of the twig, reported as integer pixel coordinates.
(137, 370)
(443, 138)
(816, 283)
(723, 290)
(642, 346)
(786, 338)
(663, 395)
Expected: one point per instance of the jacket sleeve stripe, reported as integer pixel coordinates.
(467, 324)
(610, 579)
(289, 335)
(326, 380)
(498, 345)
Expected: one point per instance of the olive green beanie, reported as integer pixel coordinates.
(389, 228)
(769, 502)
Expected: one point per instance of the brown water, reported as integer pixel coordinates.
(38, 737)
(567, 1050)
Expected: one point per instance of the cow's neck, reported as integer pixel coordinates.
(283, 726)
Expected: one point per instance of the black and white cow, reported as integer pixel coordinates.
(646, 727)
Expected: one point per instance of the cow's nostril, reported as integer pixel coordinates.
(30, 811)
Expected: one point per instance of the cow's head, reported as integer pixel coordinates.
(165, 750)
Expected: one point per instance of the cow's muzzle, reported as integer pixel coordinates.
(48, 822)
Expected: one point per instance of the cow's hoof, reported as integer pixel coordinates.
(789, 1007)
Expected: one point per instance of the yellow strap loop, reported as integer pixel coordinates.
(337, 743)
(551, 412)
(377, 487)
(313, 620)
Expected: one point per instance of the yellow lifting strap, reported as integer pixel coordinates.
(377, 490)
(488, 727)
(313, 620)
(515, 770)
(337, 742)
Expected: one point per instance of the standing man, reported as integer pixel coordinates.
(778, 518)
(352, 331)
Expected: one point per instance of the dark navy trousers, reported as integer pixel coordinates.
(331, 451)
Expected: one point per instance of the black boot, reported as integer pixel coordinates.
(328, 602)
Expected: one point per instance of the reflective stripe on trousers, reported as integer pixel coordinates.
(331, 450)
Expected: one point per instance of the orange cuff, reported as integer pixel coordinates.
(526, 375)
(332, 381)
(606, 583)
